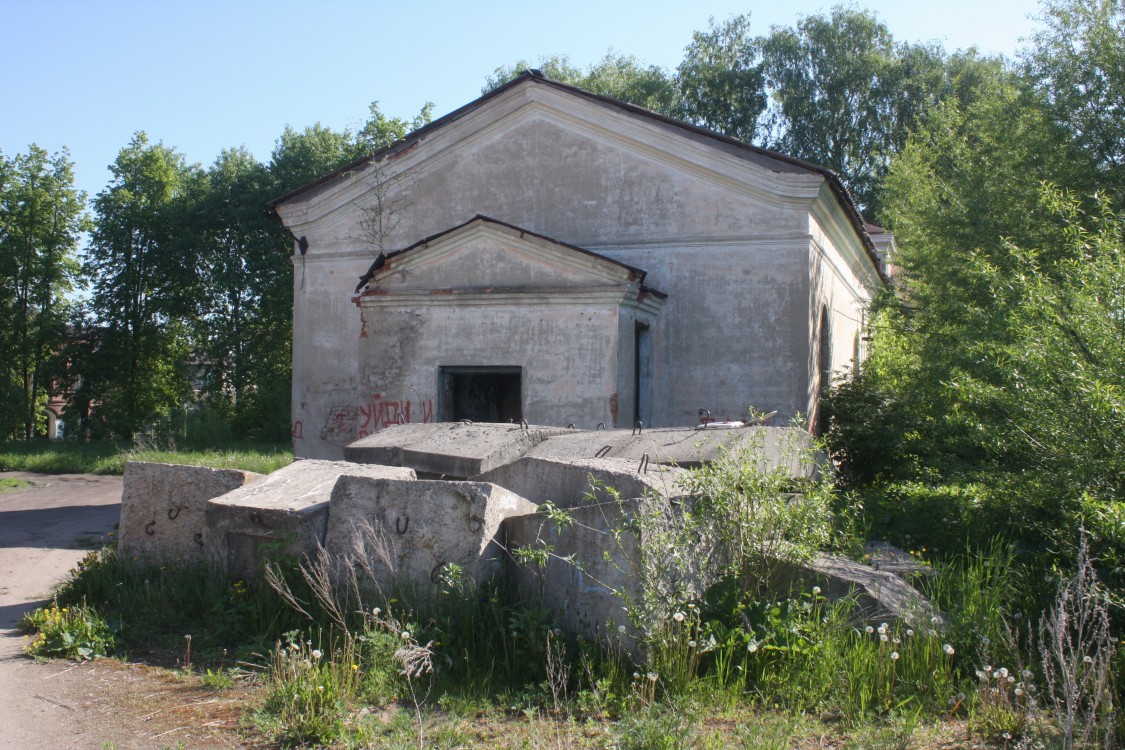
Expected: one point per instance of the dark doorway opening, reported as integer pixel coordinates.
(481, 394)
(642, 374)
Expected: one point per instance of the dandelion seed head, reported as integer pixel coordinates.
(869, 629)
(909, 631)
(948, 649)
(1088, 659)
(894, 656)
(882, 637)
(816, 590)
(405, 635)
(316, 654)
(691, 644)
(678, 617)
(621, 629)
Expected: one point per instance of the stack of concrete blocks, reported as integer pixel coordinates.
(375, 517)
(163, 510)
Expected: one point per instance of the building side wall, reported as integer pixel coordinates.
(843, 288)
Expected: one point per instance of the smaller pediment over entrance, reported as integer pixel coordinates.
(484, 255)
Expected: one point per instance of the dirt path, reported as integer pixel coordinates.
(44, 531)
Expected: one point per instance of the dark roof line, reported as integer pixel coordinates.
(381, 261)
(834, 181)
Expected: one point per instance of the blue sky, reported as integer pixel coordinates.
(206, 75)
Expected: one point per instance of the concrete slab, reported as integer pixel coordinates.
(163, 508)
(284, 514)
(450, 450)
(579, 481)
(880, 595)
(685, 447)
(408, 535)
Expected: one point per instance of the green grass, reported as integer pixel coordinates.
(11, 483)
(109, 457)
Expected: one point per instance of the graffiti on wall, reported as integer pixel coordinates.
(345, 423)
(378, 413)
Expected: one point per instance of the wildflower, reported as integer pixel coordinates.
(678, 617)
(894, 656)
(948, 649)
(816, 590)
(316, 654)
(355, 667)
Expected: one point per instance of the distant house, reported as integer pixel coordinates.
(547, 254)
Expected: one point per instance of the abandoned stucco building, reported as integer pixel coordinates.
(548, 254)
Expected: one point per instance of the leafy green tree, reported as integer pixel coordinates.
(1077, 63)
(146, 282)
(721, 81)
(844, 95)
(243, 326)
(42, 216)
(966, 184)
(299, 157)
(621, 77)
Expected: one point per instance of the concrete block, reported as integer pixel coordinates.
(404, 535)
(163, 506)
(450, 450)
(285, 514)
(571, 482)
(588, 572)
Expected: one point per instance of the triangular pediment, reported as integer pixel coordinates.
(487, 254)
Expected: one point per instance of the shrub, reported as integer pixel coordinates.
(74, 632)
